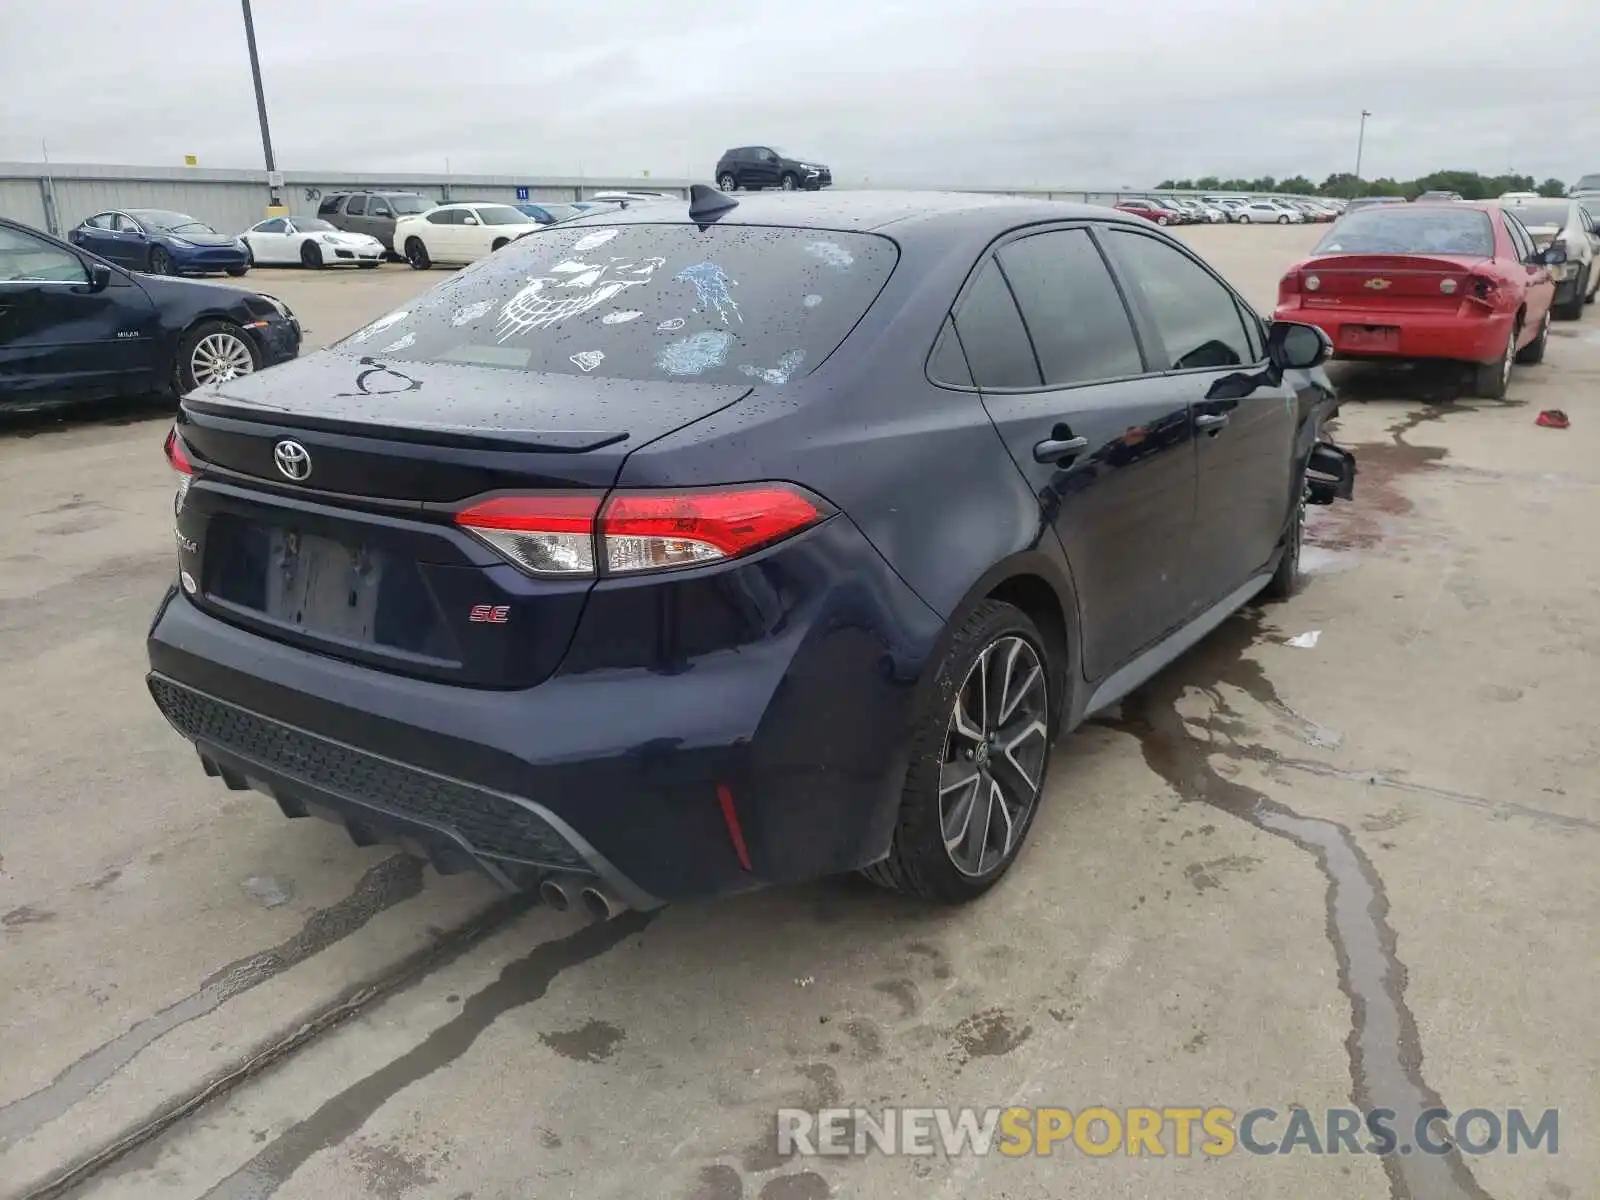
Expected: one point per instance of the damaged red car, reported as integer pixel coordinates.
(1456, 281)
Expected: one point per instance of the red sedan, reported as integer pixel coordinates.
(1449, 281)
(1150, 210)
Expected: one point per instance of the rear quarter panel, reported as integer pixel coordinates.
(920, 469)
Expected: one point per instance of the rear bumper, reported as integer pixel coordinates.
(1422, 334)
(617, 771)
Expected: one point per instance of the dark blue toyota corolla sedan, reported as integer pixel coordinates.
(682, 550)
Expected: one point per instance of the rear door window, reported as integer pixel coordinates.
(330, 205)
(727, 304)
(993, 335)
(948, 364)
(445, 216)
(1080, 329)
(1194, 314)
(1521, 239)
(357, 207)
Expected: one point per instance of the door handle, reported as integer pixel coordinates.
(1211, 422)
(1053, 450)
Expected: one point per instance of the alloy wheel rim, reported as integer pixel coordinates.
(220, 357)
(995, 750)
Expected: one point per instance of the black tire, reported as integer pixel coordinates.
(1244, 218)
(791, 182)
(1161, 220)
(369, 266)
(1534, 351)
(417, 255)
(184, 376)
(1285, 580)
(1492, 378)
(311, 255)
(1572, 310)
(237, 272)
(727, 183)
(1283, 220)
(499, 242)
(918, 862)
(160, 261)
(249, 254)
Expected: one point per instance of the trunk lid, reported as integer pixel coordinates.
(1387, 281)
(361, 558)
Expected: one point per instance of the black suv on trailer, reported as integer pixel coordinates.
(757, 167)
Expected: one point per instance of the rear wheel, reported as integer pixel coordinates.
(498, 242)
(726, 182)
(417, 255)
(1492, 378)
(236, 272)
(1534, 351)
(1244, 218)
(979, 753)
(311, 255)
(214, 352)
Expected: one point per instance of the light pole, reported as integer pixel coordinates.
(1360, 137)
(261, 105)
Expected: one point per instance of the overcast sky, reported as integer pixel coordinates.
(1071, 93)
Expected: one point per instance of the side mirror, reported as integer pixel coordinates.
(469, 220)
(1292, 346)
(1553, 255)
(99, 277)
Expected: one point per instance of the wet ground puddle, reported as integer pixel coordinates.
(1383, 1047)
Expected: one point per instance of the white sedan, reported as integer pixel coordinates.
(309, 242)
(459, 233)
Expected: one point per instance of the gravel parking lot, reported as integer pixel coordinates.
(1355, 870)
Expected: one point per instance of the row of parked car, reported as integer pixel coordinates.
(357, 228)
(1240, 210)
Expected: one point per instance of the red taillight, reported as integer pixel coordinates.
(177, 456)
(639, 531)
(644, 531)
(178, 460)
(543, 534)
(1289, 288)
(1482, 289)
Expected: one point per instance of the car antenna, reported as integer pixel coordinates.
(707, 203)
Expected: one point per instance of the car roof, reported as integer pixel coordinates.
(867, 211)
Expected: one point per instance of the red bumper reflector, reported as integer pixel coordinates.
(731, 817)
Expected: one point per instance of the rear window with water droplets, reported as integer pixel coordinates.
(726, 304)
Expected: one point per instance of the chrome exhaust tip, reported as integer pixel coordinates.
(553, 894)
(601, 904)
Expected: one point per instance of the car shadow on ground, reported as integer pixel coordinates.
(1429, 382)
(27, 423)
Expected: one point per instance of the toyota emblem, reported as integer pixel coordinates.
(293, 459)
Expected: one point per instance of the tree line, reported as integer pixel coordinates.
(1470, 184)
